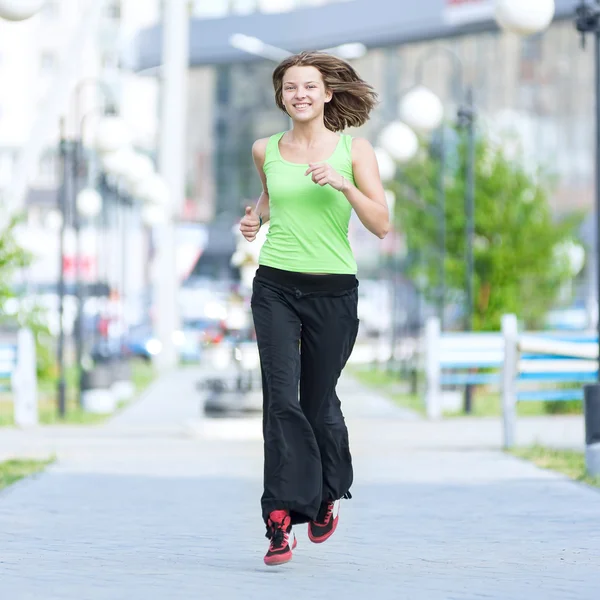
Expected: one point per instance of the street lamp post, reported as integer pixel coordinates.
(587, 20)
(439, 151)
(527, 18)
(423, 111)
(466, 116)
(63, 193)
(112, 134)
(398, 143)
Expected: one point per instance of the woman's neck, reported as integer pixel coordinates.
(309, 134)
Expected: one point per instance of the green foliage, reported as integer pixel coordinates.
(517, 269)
(564, 407)
(12, 258)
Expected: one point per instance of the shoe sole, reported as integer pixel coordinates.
(278, 560)
(323, 538)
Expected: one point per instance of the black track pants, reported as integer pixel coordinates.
(304, 340)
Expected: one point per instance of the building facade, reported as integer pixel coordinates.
(32, 58)
(541, 86)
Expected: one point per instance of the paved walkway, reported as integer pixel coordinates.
(163, 504)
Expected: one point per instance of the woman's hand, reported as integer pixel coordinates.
(250, 224)
(324, 173)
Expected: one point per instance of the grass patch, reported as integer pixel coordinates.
(387, 383)
(489, 404)
(15, 469)
(142, 374)
(568, 462)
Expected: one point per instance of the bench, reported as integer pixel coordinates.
(534, 361)
(527, 367)
(457, 359)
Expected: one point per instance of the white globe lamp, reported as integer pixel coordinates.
(89, 203)
(112, 134)
(119, 163)
(399, 141)
(524, 17)
(573, 254)
(153, 214)
(140, 167)
(422, 110)
(152, 190)
(19, 10)
(387, 166)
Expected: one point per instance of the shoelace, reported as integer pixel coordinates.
(324, 518)
(278, 538)
(277, 534)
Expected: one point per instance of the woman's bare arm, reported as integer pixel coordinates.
(259, 149)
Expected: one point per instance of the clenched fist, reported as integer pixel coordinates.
(250, 224)
(324, 173)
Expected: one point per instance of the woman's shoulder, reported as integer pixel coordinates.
(260, 146)
(359, 143)
(360, 147)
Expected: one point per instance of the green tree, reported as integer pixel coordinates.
(13, 257)
(517, 266)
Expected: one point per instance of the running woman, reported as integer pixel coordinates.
(305, 292)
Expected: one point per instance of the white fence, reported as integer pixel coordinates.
(525, 367)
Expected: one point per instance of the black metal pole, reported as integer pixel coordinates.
(79, 291)
(62, 207)
(597, 174)
(123, 225)
(442, 210)
(588, 21)
(470, 228)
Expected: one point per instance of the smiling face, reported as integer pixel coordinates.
(304, 94)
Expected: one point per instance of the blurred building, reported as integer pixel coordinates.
(42, 64)
(32, 57)
(540, 85)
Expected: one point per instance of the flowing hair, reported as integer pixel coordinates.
(353, 98)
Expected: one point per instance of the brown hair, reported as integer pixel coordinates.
(353, 99)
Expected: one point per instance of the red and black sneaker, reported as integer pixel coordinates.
(283, 539)
(325, 525)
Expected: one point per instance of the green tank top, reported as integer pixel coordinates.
(308, 226)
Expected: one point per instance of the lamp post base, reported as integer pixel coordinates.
(592, 429)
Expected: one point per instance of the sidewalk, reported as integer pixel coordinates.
(162, 504)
